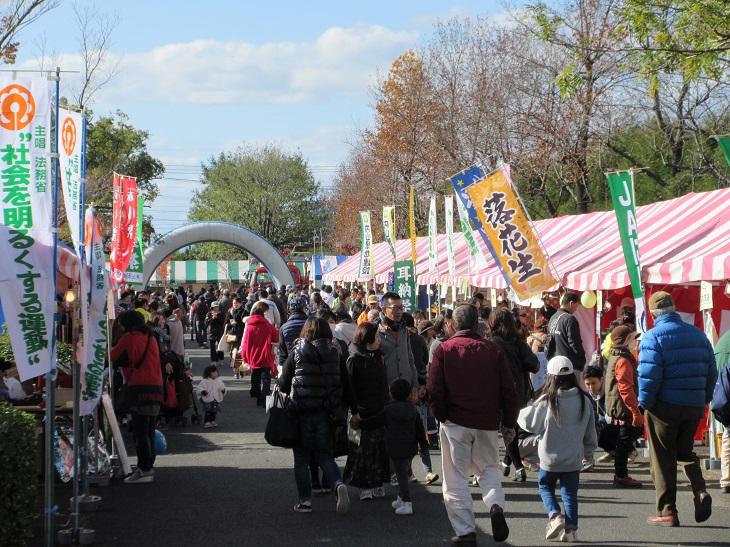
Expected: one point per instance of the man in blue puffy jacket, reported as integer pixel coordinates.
(677, 375)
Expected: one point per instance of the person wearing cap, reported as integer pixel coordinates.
(564, 333)
(677, 375)
(372, 305)
(215, 326)
(622, 404)
(562, 417)
(471, 391)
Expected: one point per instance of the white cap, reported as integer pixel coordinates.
(559, 366)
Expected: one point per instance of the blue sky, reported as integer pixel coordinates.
(204, 77)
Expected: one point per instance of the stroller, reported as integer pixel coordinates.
(180, 407)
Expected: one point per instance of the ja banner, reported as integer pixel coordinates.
(124, 225)
(621, 185)
(389, 227)
(70, 144)
(497, 213)
(366, 246)
(404, 283)
(94, 288)
(412, 223)
(449, 212)
(26, 240)
(432, 235)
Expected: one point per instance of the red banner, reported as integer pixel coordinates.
(124, 225)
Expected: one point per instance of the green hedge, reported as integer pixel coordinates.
(64, 351)
(17, 475)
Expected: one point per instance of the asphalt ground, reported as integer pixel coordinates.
(228, 487)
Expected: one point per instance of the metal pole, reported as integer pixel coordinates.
(50, 509)
(84, 320)
(77, 440)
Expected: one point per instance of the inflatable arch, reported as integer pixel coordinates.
(222, 232)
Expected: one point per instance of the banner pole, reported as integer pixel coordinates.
(84, 320)
(50, 417)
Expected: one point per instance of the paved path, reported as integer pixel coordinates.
(228, 487)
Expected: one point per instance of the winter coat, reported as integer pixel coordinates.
(235, 323)
(397, 355)
(214, 390)
(345, 331)
(621, 386)
(721, 395)
(312, 377)
(256, 349)
(564, 339)
(419, 348)
(403, 430)
(470, 383)
(369, 383)
(523, 362)
(215, 326)
(676, 364)
(290, 331)
(144, 382)
(177, 335)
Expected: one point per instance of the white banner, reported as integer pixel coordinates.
(476, 257)
(366, 246)
(432, 233)
(449, 212)
(94, 297)
(389, 228)
(70, 144)
(26, 238)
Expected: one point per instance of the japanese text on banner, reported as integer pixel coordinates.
(124, 225)
(70, 144)
(432, 235)
(389, 227)
(404, 283)
(366, 246)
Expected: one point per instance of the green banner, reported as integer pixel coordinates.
(621, 185)
(724, 142)
(404, 283)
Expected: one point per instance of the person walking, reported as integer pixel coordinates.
(257, 351)
(312, 377)
(471, 388)
(677, 375)
(721, 407)
(562, 419)
(292, 328)
(215, 326)
(395, 343)
(564, 333)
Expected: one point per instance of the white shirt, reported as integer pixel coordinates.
(215, 388)
(272, 314)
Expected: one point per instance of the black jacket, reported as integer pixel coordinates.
(290, 331)
(523, 362)
(215, 325)
(312, 376)
(235, 324)
(404, 431)
(369, 382)
(564, 339)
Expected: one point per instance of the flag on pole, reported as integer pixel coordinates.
(621, 186)
(476, 258)
(26, 212)
(389, 227)
(124, 225)
(724, 142)
(449, 212)
(135, 273)
(494, 207)
(432, 234)
(365, 270)
(412, 223)
(70, 141)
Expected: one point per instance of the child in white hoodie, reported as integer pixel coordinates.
(562, 419)
(211, 391)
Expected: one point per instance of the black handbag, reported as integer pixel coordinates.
(282, 428)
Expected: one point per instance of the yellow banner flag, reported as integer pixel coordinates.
(412, 224)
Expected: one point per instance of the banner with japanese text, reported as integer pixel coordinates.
(26, 234)
(476, 258)
(449, 212)
(621, 186)
(432, 235)
(404, 283)
(494, 207)
(366, 246)
(389, 227)
(124, 225)
(70, 144)
(412, 223)
(94, 298)
(134, 275)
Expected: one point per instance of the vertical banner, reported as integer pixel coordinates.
(476, 258)
(621, 186)
(432, 235)
(389, 227)
(724, 142)
(497, 212)
(449, 212)
(135, 274)
(412, 223)
(124, 225)
(70, 143)
(366, 246)
(26, 235)
(404, 283)
(94, 281)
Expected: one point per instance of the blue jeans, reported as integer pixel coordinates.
(546, 482)
(316, 440)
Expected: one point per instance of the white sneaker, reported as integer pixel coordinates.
(366, 495)
(397, 503)
(405, 508)
(141, 477)
(379, 492)
(431, 478)
(569, 536)
(554, 527)
(394, 480)
(343, 498)
(604, 458)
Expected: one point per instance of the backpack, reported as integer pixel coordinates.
(721, 397)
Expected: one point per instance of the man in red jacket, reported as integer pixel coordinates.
(470, 384)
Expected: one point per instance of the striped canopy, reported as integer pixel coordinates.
(205, 271)
(682, 240)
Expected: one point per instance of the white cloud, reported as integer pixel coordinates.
(342, 60)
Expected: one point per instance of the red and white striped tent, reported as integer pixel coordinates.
(682, 240)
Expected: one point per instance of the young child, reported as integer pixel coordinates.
(211, 391)
(404, 433)
(562, 418)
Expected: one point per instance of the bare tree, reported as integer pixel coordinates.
(15, 16)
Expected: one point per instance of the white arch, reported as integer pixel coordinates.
(223, 232)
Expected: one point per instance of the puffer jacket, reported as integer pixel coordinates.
(368, 380)
(676, 364)
(289, 333)
(316, 383)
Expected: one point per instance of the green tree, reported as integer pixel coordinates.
(265, 189)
